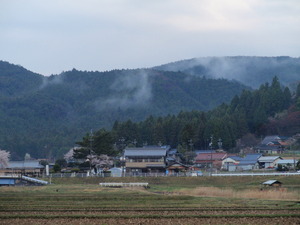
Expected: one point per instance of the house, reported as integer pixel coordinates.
(249, 162)
(271, 140)
(236, 163)
(269, 149)
(173, 156)
(175, 168)
(268, 162)
(272, 145)
(146, 159)
(210, 160)
(27, 167)
(230, 162)
(272, 183)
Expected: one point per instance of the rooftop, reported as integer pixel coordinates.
(270, 182)
(24, 164)
(268, 158)
(146, 151)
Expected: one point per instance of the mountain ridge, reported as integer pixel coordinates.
(45, 116)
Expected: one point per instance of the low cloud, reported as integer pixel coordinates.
(54, 79)
(131, 90)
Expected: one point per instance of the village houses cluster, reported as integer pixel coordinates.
(165, 160)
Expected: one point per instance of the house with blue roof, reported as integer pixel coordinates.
(237, 163)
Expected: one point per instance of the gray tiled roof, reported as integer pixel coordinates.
(24, 164)
(270, 182)
(286, 161)
(145, 152)
(268, 139)
(268, 158)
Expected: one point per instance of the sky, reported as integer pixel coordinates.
(49, 37)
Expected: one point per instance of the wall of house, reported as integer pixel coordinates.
(142, 164)
(158, 159)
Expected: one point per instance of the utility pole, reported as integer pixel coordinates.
(123, 159)
(91, 139)
(220, 143)
(211, 152)
(134, 142)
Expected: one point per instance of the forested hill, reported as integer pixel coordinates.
(16, 80)
(252, 71)
(45, 116)
(270, 110)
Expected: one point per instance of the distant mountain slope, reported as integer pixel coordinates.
(252, 71)
(16, 80)
(46, 115)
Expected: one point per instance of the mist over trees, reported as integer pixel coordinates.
(46, 116)
(252, 71)
(251, 112)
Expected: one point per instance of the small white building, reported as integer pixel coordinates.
(115, 172)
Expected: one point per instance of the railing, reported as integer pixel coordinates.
(254, 174)
(124, 185)
(34, 180)
(70, 175)
(181, 174)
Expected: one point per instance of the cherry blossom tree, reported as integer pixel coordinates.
(4, 158)
(101, 161)
(69, 156)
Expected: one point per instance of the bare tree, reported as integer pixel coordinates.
(4, 158)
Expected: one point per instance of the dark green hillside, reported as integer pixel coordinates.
(45, 116)
(16, 80)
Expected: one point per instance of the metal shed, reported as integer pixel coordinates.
(272, 183)
(7, 181)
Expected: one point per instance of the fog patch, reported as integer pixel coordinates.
(52, 80)
(131, 90)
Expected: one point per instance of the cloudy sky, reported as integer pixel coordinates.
(49, 37)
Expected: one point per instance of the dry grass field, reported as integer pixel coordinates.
(198, 200)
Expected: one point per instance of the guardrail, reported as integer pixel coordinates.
(252, 174)
(10, 176)
(34, 180)
(124, 185)
(187, 174)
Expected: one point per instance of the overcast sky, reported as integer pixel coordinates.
(51, 36)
